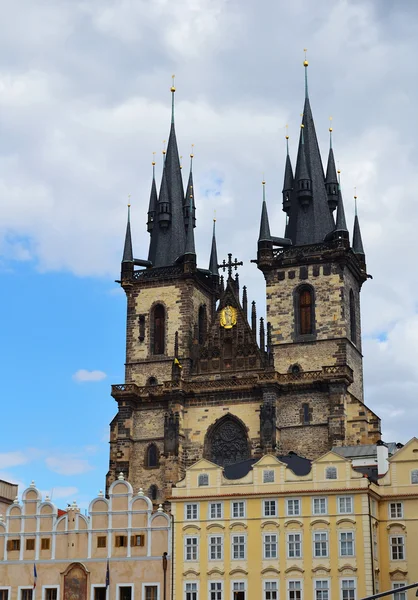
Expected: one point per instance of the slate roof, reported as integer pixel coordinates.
(299, 465)
(362, 450)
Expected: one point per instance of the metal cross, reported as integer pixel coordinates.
(231, 264)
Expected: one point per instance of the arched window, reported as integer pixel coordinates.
(203, 479)
(153, 492)
(331, 473)
(158, 324)
(353, 328)
(201, 324)
(151, 459)
(305, 310)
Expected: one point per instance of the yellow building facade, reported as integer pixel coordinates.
(72, 554)
(295, 530)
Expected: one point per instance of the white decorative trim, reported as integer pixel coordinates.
(49, 587)
(119, 585)
(150, 584)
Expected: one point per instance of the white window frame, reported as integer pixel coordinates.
(390, 512)
(264, 545)
(327, 579)
(197, 588)
(301, 545)
(263, 587)
(8, 588)
(25, 587)
(244, 581)
(348, 579)
(149, 584)
(340, 531)
(210, 537)
(216, 581)
(232, 509)
(56, 587)
(197, 513)
(244, 535)
(321, 532)
(191, 537)
(397, 535)
(131, 585)
(209, 511)
(287, 507)
(92, 588)
(275, 508)
(399, 584)
(316, 514)
(339, 511)
(288, 588)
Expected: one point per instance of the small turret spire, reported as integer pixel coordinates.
(288, 179)
(331, 180)
(357, 241)
(152, 215)
(189, 212)
(340, 223)
(213, 260)
(265, 235)
(127, 250)
(190, 245)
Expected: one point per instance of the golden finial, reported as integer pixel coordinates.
(305, 62)
(181, 166)
(153, 159)
(214, 216)
(129, 200)
(173, 89)
(191, 153)
(330, 124)
(355, 193)
(164, 141)
(287, 131)
(302, 125)
(338, 171)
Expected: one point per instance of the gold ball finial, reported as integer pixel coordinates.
(338, 171)
(191, 153)
(263, 182)
(129, 206)
(305, 62)
(330, 124)
(172, 89)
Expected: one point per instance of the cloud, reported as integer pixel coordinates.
(83, 375)
(68, 464)
(59, 492)
(15, 458)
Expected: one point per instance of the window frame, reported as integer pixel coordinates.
(299, 513)
(390, 504)
(398, 536)
(345, 496)
(216, 581)
(399, 584)
(237, 581)
(414, 472)
(8, 589)
(153, 330)
(122, 585)
(345, 531)
(235, 535)
(276, 543)
(53, 587)
(186, 583)
(331, 469)
(203, 475)
(210, 537)
(325, 498)
(300, 534)
(298, 291)
(191, 537)
(93, 586)
(150, 584)
(288, 582)
(354, 579)
(197, 504)
(276, 512)
(244, 511)
(320, 532)
(317, 579)
(25, 587)
(264, 591)
(216, 517)
(270, 473)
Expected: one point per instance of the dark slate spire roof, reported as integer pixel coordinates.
(213, 260)
(187, 209)
(128, 255)
(357, 241)
(310, 224)
(162, 238)
(265, 235)
(288, 180)
(340, 222)
(152, 223)
(331, 180)
(190, 246)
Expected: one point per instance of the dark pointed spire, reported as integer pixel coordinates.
(127, 250)
(262, 335)
(245, 301)
(152, 217)
(340, 222)
(304, 191)
(213, 260)
(331, 181)
(357, 241)
(253, 318)
(265, 235)
(288, 180)
(187, 209)
(190, 246)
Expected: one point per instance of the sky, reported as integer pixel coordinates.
(85, 101)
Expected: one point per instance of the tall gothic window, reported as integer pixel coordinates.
(202, 324)
(305, 308)
(151, 458)
(158, 323)
(353, 328)
(153, 492)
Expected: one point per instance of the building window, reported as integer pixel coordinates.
(158, 322)
(30, 545)
(191, 591)
(215, 590)
(191, 512)
(268, 476)
(353, 326)
(306, 413)
(414, 476)
(125, 592)
(151, 458)
(202, 324)
(269, 508)
(238, 510)
(141, 328)
(99, 593)
(238, 590)
(319, 506)
(294, 545)
(396, 510)
(153, 492)
(101, 541)
(4, 594)
(305, 310)
(45, 543)
(345, 505)
(191, 545)
(399, 595)
(293, 507)
(270, 545)
(151, 592)
(321, 587)
(271, 590)
(121, 541)
(26, 594)
(50, 593)
(331, 473)
(215, 510)
(137, 540)
(215, 547)
(238, 547)
(203, 479)
(13, 545)
(397, 547)
(348, 589)
(346, 543)
(320, 544)
(294, 590)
